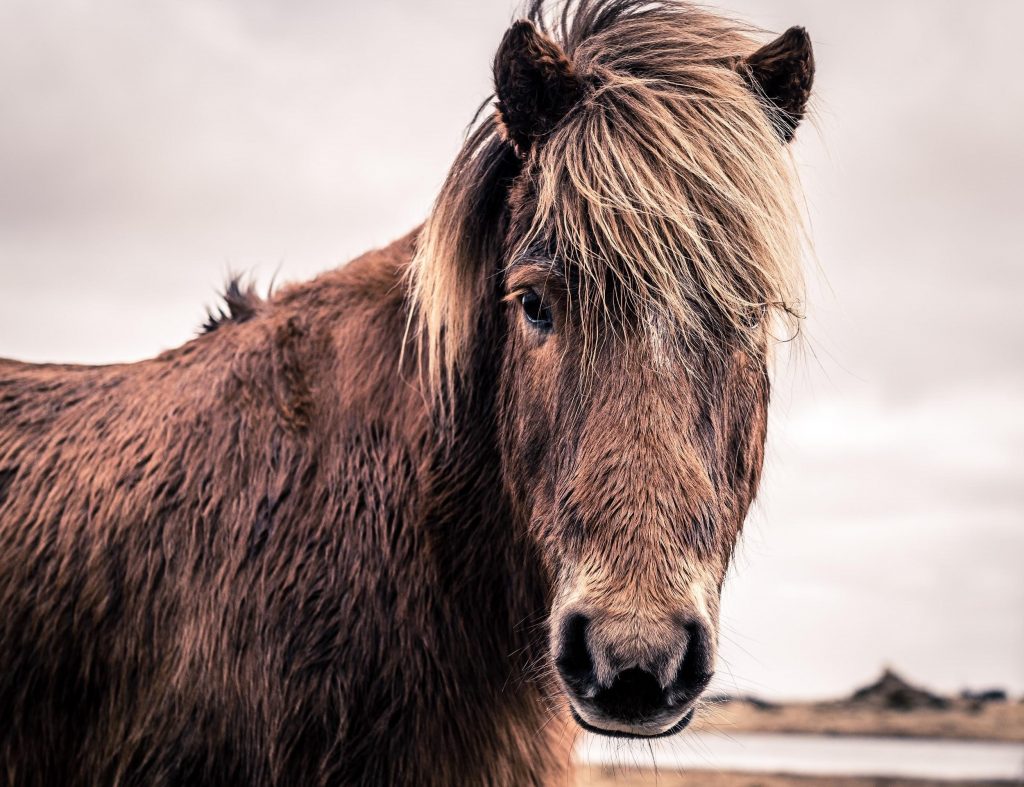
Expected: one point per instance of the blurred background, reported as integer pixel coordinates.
(147, 149)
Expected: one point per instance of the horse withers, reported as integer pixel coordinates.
(416, 520)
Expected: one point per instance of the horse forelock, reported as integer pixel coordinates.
(665, 189)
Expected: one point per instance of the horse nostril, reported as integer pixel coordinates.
(574, 660)
(696, 669)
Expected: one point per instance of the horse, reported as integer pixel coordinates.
(423, 518)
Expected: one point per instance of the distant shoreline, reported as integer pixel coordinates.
(891, 707)
(962, 720)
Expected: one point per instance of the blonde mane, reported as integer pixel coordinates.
(666, 189)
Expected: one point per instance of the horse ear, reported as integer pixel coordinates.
(781, 73)
(535, 85)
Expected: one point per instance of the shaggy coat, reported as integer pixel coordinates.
(349, 534)
(250, 561)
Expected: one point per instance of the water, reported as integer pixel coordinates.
(812, 754)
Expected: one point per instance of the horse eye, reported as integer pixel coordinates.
(536, 311)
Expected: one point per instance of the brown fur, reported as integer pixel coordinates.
(280, 554)
(250, 561)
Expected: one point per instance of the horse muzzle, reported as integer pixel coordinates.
(623, 681)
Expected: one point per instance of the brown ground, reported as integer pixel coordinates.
(606, 777)
(1002, 721)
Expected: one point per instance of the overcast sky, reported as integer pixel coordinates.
(148, 148)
